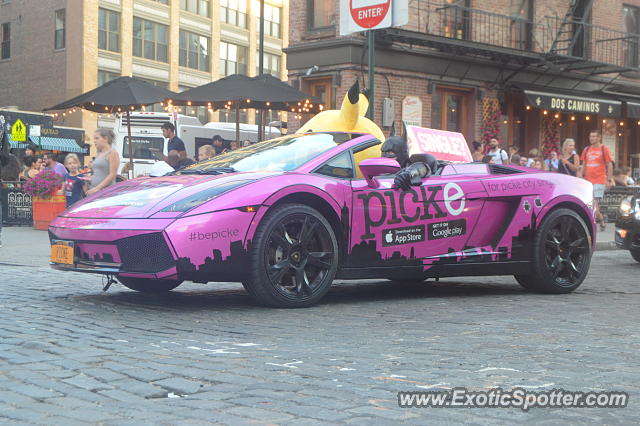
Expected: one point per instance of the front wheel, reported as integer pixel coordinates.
(145, 285)
(294, 258)
(561, 254)
(635, 254)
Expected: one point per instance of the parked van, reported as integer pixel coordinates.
(197, 136)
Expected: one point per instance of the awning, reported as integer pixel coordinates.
(576, 104)
(633, 109)
(50, 143)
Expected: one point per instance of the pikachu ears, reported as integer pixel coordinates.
(355, 104)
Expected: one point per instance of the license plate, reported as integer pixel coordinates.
(62, 252)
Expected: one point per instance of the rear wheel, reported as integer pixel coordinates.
(635, 254)
(294, 258)
(561, 254)
(145, 285)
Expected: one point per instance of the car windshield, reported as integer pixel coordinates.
(276, 155)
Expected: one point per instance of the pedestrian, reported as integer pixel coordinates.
(218, 144)
(174, 160)
(52, 164)
(4, 161)
(105, 165)
(597, 168)
(174, 143)
(626, 170)
(515, 159)
(619, 178)
(552, 163)
(246, 143)
(478, 151)
(233, 145)
(533, 153)
(499, 155)
(73, 181)
(569, 159)
(513, 150)
(205, 152)
(32, 166)
(523, 161)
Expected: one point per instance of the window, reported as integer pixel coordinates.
(59, 35)
(320, 13)
(5, 40)
(339, 167)
(322, 89)
(200, 112)
(194, 51)
(631, 25)
(271, 64)
(271, 21)
(106, 76)
(521, 24)
(163, 84)
(150, 40)
(456, 19)
(162, 1)
(233, 59)
(450, 111)
(108, 30)
(199, 7)
(234, 12)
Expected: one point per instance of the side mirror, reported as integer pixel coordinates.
(372, 167)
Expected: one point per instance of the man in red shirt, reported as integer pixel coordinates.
(597, 168)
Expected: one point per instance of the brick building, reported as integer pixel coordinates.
(56, 49)
(552, 69)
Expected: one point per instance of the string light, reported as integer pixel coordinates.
(619, 134)
(545, 112)
(528, 107)
(557, 116)
(189, 103)
(573, 118)
(622, 123)
(248, 101)
(268, 103)
(604, 121)
(587, 118)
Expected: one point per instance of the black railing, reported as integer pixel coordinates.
(550, 36)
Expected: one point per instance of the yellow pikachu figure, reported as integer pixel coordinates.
(349, 118)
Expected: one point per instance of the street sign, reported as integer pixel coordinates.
(362, 15)
(19, 131)
(34, 130)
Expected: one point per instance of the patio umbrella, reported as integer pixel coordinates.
(239, 91)
(124, 94)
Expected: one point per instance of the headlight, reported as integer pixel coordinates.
(625, 207)
(202, 197)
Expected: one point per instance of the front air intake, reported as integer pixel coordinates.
(145, 253)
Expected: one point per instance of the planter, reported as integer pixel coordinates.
(47, 209)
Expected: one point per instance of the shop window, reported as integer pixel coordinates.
(631, 25)
(150, 40)
(194, 51)
(320, 13)
(234, 12)
(233, 59)
(322, 89)
(108, 30)
(59, 34)
(5, 41)
(450, 110)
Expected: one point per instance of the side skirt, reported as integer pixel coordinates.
(438, 271)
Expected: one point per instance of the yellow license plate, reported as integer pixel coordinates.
(62, 252)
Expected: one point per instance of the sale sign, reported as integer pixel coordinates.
(447, 146)
(361, 15)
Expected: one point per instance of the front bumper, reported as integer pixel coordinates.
(627, 234)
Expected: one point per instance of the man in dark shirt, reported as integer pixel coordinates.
(175, 143)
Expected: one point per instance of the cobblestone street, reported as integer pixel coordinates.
(70, 354)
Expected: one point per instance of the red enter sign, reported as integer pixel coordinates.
(369, 13)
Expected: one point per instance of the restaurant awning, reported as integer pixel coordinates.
(575, 104)
(633, 109)
(50, 143)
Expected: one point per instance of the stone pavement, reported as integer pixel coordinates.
(70, 354)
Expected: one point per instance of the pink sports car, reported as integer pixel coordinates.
(286, 217)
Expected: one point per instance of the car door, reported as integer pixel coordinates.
(428, 223)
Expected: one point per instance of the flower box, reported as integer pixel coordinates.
(47, 209)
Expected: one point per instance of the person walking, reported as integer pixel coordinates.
(499, 155)
(598, 169)
(105, 165)
(569, 159)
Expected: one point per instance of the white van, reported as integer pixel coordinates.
(196, 136)
(146, 132)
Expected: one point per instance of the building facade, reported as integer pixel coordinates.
(56, 49)
(539, 71)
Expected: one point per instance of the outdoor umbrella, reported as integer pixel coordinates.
(124, 94)
(239, 91)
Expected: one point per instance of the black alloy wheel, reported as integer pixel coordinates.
(294, 259)
(561, 254)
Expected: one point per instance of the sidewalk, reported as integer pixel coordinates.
(26, 246)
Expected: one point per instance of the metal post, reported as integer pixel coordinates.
(131, 174)
(261, 68)
(238, 121)
(371, 64)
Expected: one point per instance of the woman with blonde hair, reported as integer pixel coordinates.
(569, 158)
(105, 164)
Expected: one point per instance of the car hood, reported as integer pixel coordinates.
(142, 197)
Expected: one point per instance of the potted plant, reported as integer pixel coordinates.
(48, 199)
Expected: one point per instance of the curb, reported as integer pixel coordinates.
(606, 245)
